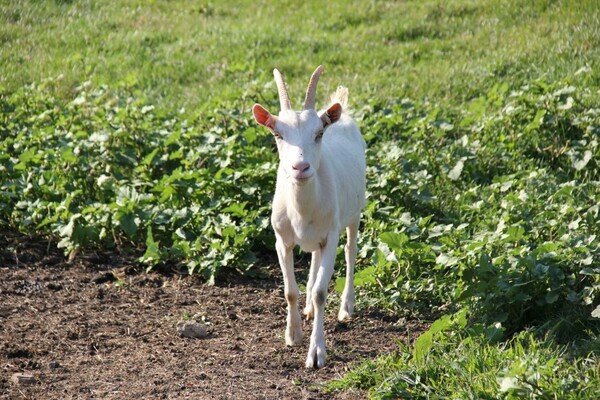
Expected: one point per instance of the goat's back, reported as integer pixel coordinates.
(343, 157)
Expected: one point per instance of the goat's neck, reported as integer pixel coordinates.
(305, 198)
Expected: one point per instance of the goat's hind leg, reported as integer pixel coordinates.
(315, 262)
(350, 251)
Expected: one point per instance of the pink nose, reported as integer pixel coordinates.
(301, 166)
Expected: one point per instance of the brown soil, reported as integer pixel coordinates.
(99, 327)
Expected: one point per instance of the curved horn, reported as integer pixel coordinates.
(284, 97)
(309, 101)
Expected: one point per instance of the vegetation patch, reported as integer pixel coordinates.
(126, 127)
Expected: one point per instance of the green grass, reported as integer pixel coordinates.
(126, 126)
(469, 367)
(182, 54)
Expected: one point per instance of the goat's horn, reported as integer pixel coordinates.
(284, 97)
(311, 90)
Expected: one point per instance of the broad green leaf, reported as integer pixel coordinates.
(340, 283)
(68, 155)
(423, 345)
(152, 254)
(148, 159)
(494, 332)
(173, 138)
(394, 240)
(580, 164)
(551, 297)
(67, 230)
(455, 172)
(365, 276)
(485, 263)
(250, 135)
(537, 120)
(515, 233)
(446, 260)
(508, 383)
(237, 209)
(441, 324)
(129, 224)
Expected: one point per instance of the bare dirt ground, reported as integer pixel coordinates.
(100, 327)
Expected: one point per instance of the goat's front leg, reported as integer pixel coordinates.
(316, 351)
(293, 331)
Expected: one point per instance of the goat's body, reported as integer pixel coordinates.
(320, 191)
(304, 214)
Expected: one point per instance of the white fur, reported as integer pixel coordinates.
(320, 191)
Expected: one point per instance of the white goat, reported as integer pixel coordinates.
(320, 191)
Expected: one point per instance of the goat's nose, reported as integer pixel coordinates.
(301, 166)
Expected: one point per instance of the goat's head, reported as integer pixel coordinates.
(298, 134)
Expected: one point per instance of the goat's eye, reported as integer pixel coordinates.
(319, 135)
(277, 135)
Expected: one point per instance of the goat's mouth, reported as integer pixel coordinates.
(301, 178)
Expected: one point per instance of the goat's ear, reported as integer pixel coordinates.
(263, 117)
(332, 115)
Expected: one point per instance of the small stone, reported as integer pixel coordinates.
(235, 347)
(203, 376)
(104, 278)
(130, 270)
(53, 365)
(192, 329)
(21, 378)
(54, 286)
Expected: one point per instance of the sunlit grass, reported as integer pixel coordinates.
(525, 367)
(184, 53)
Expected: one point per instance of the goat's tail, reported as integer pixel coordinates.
(340, 96)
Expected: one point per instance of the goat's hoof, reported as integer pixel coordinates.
(344, 315)
(309, 313)
(315, 358)
(346, 311)
(293, 337)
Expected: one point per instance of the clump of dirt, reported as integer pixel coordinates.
(99, 327)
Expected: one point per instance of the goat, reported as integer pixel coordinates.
(320, 190)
